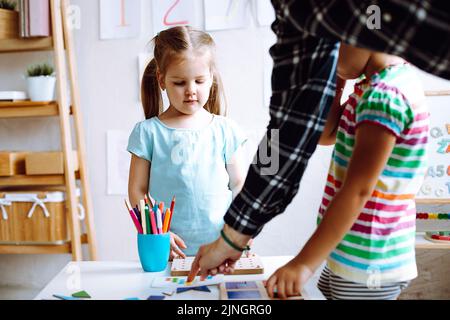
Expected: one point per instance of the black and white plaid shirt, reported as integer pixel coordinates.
(303, 81)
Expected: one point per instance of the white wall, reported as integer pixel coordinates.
(108, 79)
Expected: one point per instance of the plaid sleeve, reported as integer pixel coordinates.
(406, 28)
(303, 87)
(386, 107)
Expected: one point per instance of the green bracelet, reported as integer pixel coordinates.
(232, 244)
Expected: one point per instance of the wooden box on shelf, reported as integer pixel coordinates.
(9, 24)
(33, 217)
(43, 163)
(12, 163)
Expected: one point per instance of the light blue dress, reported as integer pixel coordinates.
(190, 165)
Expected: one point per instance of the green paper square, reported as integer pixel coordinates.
(81, 294)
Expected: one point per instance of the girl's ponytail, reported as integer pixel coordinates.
(215, 105)
(151, 92)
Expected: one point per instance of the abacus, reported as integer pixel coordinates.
(439, 216)
(437, 222)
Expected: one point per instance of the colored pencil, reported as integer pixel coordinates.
(144, 222)
(172, 206)
(152, 201)
(153, 222)
(162, 218)
(147, 219)
(133, 216)
(166, 221)
(159, 221)
(138, 215)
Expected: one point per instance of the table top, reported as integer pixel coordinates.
(119, 280)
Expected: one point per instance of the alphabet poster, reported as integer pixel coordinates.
(170, 13)
(226, 14)
(120, 19)
(437, 178)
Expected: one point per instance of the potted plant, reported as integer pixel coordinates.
(41, 82)
(9, 20)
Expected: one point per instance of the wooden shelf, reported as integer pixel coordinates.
(437, 93)
(30, 248)
(26, 44)
(34, 249)
(432, 201)
(24, 109)
(38, 180)
(60, 44)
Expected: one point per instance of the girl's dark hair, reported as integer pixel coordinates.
(169, 45)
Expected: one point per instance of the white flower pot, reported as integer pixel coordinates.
(41, 88)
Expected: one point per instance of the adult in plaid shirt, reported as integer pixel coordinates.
(304, 83)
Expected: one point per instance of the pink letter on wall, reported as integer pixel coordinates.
(120, 19)
(169, 13)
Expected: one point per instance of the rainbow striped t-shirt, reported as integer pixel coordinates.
(379, 248)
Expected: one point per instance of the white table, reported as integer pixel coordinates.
(118, 280)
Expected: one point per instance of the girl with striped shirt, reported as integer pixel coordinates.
(366, 222)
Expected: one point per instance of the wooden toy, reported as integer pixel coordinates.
(248, 264)
(439, 237)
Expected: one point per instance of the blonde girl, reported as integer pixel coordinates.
(190, 150)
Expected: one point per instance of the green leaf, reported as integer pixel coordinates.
(8, 4)
(37, 70)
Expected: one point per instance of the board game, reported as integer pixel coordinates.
(247, 264)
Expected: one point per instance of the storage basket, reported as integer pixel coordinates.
(9, 24)
(34, 217)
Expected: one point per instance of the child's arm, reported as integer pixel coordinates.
(138, 187)
(138, 179)
(366, 165)
(328, 136)
(236, 172)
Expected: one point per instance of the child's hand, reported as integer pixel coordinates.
(175, 243)
(289, 279)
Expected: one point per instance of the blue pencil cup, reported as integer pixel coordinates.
(154, 250)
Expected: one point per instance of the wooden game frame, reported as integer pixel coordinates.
(247, 264)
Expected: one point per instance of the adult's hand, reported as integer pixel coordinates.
(218, 256)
